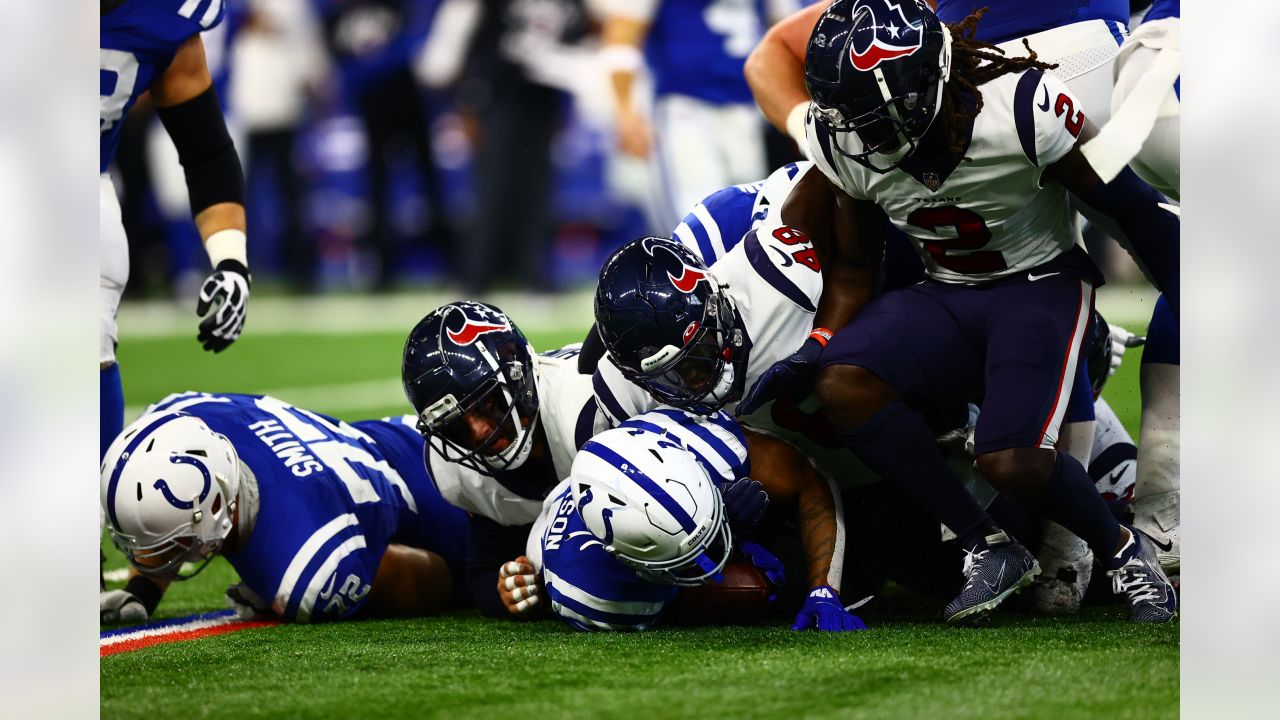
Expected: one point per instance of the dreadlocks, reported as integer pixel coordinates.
(968, 71)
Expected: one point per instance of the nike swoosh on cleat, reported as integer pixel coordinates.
(1164, 546)
(1033, 277)
(995, 589)
(1045, 105)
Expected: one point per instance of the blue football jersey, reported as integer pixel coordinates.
(697, 47)
(589, 588)
(332, 497)
(719, 222)
(1008, 19)
(1161, 9)
(137, 41)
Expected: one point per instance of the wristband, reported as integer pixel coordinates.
(227, 244)
(822, 335)
(795, 126)
(147, 592)
(621, 58)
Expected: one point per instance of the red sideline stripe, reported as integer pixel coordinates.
(149, 640)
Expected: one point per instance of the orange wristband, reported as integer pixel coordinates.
(822, 335)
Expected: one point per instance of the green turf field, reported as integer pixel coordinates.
(459, 665)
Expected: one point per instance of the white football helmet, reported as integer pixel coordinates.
(169, 490)
(653, 506)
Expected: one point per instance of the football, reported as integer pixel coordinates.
(742, 598)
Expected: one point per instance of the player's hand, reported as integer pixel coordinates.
(520, 586)
(1122, 340)
(635, 136)
(745, 503)
(223, 302)
(824, 611)
(247, 604)
(120, 606)
(768, 564)
(789, 374)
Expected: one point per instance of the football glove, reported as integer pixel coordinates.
(768, 564)
(824, 611)
(120, 606)
(790, 374)
(745, 503)
(247, 604)
(223, 302)
(1122, 340)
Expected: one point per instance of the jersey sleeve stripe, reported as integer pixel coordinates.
(583, 623)
(772, 274)
(189, 8)
(323, 575)
(304, 556)
(597, 604)
(701, 233)
(632, 473)
(211, 15)
(713, 232)
(611, 406)
(1023, 98)
(586, 424)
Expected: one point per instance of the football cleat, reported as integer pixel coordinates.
(1136, 575)
(994, 573)
(1157, 516)
(1068, 568)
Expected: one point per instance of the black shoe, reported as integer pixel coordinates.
(994, 573)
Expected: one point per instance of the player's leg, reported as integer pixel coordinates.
(113, 273)
(1033, 337)
(906, 345)
(741, 144)
(686, 162)
(1158, 162)
(1156, 493)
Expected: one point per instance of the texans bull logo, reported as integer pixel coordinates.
(689, 276)
(876, 40)
(472, 330)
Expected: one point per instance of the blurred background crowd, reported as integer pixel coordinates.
(458, 144)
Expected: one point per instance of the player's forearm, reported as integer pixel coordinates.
(845, 290)
(820, 532)
(220, 216)
(621, 42)
(775, 74)
(410, 582)
(149, 590)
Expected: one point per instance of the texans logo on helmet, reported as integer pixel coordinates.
(468, 333)
(689, 277)
(876, 40)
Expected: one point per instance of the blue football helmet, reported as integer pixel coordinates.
(876, 70)
(669, 326)
(468, 371)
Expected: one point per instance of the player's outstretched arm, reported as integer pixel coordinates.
(622, 37)
(133, 604)
(410, 582)
(789, 477)
(188, 107)
(775, 71)
(1141, 212)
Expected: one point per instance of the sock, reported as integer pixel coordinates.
(1072, 500)
(1014, 518)
(110, 407)
(898, 446)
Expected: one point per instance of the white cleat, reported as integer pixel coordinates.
(1158, 517)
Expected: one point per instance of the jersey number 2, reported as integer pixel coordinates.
(971, 234)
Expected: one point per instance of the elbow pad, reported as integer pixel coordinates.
(205, 150)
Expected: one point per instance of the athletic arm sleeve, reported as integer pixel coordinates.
(491, 546)
(208, 157)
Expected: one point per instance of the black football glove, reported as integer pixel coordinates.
(745, 503)
(224, 300)
(790, 374)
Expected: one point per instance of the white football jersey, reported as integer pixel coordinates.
(567, 413)
(989, 218)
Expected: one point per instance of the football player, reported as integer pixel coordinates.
(642, 515)
(703, 132)
(974, 155)
(154, 46)
(321, 519)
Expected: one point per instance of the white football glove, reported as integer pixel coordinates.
(1121, 340)
(119, 606)
(247, 604)
(223, 303)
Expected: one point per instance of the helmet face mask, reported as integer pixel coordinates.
(876, 70)
(170, 486)
(468, 371)
(669, 326)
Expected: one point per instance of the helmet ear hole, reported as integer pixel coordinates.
(217, 504)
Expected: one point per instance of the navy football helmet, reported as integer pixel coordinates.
(468, 371)
(875, 70)
(669, 326)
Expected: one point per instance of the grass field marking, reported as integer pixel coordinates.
(336, 398)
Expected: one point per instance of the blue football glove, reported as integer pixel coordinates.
(768, 564)
(745, 503)
(790, 374)
(824, 611)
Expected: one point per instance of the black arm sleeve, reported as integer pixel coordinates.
(592, 350)
(208, 156)
(491, 546)
(1152, 231)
